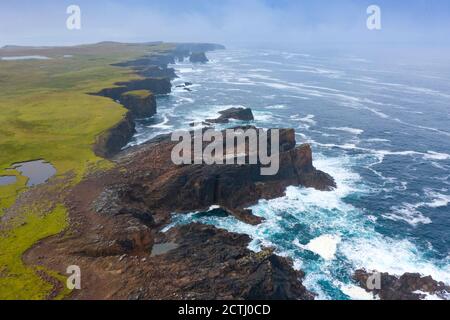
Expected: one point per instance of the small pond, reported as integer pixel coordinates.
(37, 172)
(24, 58)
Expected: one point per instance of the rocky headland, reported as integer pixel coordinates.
(117, 216)
(242, 114)
(198, 57)
(409, 286)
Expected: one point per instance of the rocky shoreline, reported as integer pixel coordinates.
(409, 286)
(117, 215)
(139, 96)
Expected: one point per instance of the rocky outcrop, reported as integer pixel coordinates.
(157, 72)
(243, 114)
(154, 85)
(410, 286)
(166, 187)
(198, 57)
(141, 103)
(203, 263)
(186, 86)
(226, 269)
(117, 216)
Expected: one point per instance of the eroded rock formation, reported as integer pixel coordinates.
(157, 81)
(198, 57)
(243, 114)
(410, 286)
(117, 216)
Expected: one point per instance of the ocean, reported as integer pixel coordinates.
(380, 128)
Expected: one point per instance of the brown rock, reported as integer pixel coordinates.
(410, 286)
(243, 114)
(117, 214)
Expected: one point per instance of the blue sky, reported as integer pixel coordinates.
(42, 22)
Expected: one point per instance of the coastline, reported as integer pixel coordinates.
(156, 80)
(136, 98)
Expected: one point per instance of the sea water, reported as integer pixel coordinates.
(381, 130)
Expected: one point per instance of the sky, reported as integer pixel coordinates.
(43, 22)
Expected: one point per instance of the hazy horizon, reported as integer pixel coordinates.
(231, 22)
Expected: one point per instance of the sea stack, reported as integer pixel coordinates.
(198, 57)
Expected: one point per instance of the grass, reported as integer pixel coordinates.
(22, 282)
(139, 93)
(47, 113)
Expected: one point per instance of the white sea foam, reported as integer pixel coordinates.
(357, 293)
(411, 214)
(325, 246)
(428, 296)
(337, 229)
(442, 132)
(377, 140)
(438, 200)
(431, 155)
(260, 70)
(397, 257)
(408, 213)
(348, 129)
(308, 119)
(164, 124)
(184, 100)
(264, 117)
(377, 112)
(381, 154)
(398, 87)
(277, 107)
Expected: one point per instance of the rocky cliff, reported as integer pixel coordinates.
(110, 142)
(157, 81)
(198, 57)
(141, 103)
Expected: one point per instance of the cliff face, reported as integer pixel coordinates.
(233, 187)
(138, 96)
(142, 104)
(198, 57)
(112, 141)
(157, 81)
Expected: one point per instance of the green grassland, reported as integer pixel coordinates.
(139, 93)
(46, 112)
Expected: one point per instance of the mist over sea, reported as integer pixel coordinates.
(380, 127)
